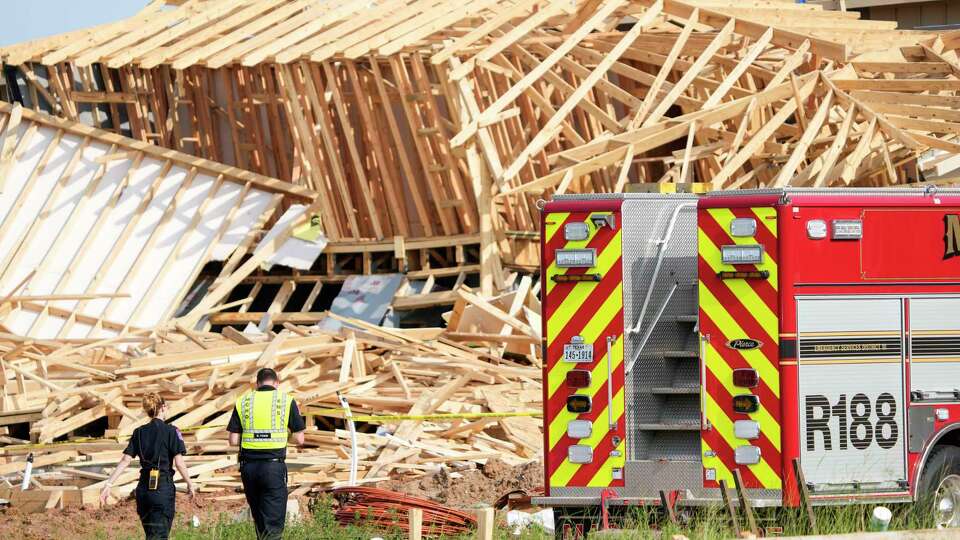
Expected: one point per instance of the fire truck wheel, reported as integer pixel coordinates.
(941, 481)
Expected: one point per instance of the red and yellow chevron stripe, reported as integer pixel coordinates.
(593, 311)
(734, 309)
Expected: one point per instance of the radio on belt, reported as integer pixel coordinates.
(690, 337)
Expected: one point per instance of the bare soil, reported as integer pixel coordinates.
(480, 486)
(463, 489)
(115, 522)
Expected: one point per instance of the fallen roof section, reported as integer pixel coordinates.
(460, 116)
(102, 235)
(217, 33)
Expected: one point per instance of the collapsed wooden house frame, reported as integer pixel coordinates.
(424, 119)
(422, 133)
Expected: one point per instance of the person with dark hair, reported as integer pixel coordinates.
(159, 447)
(261, 424)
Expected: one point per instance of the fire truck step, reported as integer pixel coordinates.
(672, 390)
(673, 355)
(670, 426)
(686, 318)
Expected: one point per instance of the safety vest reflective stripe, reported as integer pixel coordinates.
(259, 432)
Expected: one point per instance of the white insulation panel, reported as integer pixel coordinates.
(82, 215)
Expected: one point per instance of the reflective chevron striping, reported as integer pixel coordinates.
(598, 384)
(593, 311)
(767, 216)
(593, 238)
(725, 215)
(555, 225)
(764, 365)
(733, 309)
(591, 333)
(742, 290)
(769, 425)
(712, 461)
(581, 292)
(564, 472)
(766, 474)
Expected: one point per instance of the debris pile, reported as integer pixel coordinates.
(461, 115)
(177, 189)
(456, 405)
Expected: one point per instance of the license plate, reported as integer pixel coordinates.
(578, 352)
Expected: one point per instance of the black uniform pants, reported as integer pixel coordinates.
(156, 508)
(265, 485)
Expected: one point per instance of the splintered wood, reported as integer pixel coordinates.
(462, 114)
(83, 402)
(409, 133)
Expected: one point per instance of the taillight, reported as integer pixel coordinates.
(746, 378)
(746, 455)
(744, 403)
(580, 453)
(746, 429)
(753, 274)
(578, 378)
(578, 403)
(579, 429)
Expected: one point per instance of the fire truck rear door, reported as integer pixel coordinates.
(850, 354)
(583, 316)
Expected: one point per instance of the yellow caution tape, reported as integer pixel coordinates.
(388, 418)
(375, 418)
(324, 412)
(81, 440)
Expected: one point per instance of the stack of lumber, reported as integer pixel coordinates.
(82, 403)
(461, 114)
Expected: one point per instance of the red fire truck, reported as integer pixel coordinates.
(688, 337)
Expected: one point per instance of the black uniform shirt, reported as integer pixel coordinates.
(155, 445)
(295, 423)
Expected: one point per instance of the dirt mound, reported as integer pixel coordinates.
(469, 488)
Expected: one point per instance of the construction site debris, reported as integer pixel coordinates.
(461, 115)
(426, 405)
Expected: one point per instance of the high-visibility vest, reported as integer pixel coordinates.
(264, 416)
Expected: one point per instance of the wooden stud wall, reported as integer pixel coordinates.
(418, 119)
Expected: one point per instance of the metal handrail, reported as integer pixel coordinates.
(704, 421)
(656, 270)
(653, 324)
(610, 423)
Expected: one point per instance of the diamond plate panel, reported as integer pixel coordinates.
(645, 479)
(646, 220)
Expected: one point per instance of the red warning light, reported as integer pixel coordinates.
(746, 378)
(578, 378)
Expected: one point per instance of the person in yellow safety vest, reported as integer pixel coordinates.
(261, 424)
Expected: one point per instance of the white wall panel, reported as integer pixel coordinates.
(130, 224)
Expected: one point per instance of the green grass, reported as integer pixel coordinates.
(714, 523)
(319, 524)
(710, 523)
